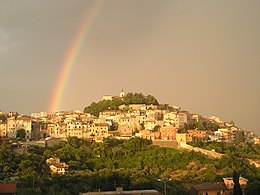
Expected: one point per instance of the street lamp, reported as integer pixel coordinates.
(165, 183)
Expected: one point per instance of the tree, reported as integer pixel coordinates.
(156, 128)
(151, 100)
(8, 162)
(253, 188)
(20, 133)
(142, 126)
(237, 189)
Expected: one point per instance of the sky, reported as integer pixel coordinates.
(203, 56)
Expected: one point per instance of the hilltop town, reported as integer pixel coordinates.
(113, 144)
(150, 121)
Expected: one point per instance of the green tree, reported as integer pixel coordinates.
(8, 162)
(142, 126)
(253, 188)
(20, 133)
(151, 100)
(156, 128)
(237, 189)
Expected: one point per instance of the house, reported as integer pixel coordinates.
(169, 118)
(3, 132)
(56, 130)
(59, 168)
(199, 134)
(119, 190)
(126, 125)
(148, 134)
(183, 138)
(181, 119)
(99, 131)
(8, 188)
(16, 123)
(230, 184)
(51, 161)
(218, 188)
(168, 133)
(56, 166)
(76, 128)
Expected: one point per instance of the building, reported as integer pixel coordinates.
(20, 122)
(39, 129)
(170, 118)
(51, 161)
(181, 119)
(99, 131)
(3, 130)
(56, 130)
(119, 190)
(230, 184)
(199, 134)
(219, 188)
(107, 97)
(183, 138)
(168, 133)
(148, 134)
(39, 115)
(60, 168)
(122, 94)
(76, 128)
(8, 188)
(209, 189)
(56, 166)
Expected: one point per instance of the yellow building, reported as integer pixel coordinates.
(3, 130)
(20, 122)
(99, 131)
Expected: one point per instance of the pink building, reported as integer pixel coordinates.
(168, 133)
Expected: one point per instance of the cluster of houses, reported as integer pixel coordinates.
(145, 121)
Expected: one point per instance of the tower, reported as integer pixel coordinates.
(122, 93)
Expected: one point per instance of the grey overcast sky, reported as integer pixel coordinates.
(202, 55)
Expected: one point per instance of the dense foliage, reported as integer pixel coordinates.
(139, 98)
(133, 164)
(20, 133)
(205, 125)
(130, 98)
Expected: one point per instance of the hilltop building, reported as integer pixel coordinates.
(110, 97)
(122, 94)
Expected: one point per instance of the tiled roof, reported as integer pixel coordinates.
(59, 165)
(7, 188)
(210, 186)
(148, 192)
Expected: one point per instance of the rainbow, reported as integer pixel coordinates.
(72, 54)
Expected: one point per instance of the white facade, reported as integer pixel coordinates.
(14, 124)
(3, 130)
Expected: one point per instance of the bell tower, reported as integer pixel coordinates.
(122, 94)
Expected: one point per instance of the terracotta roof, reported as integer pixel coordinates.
(59, 165)
(148, 192)
(210, 186)
(7, 188)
